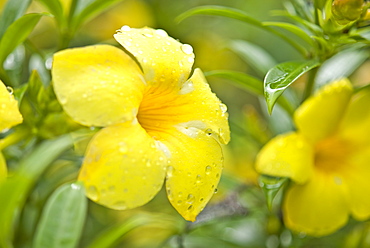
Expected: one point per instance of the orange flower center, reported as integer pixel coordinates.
(331, 154)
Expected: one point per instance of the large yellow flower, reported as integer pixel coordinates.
(9, 117)
(327, 158)
(157, 121)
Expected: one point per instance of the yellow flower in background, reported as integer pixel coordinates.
(9, 117)
(9, 112)
(327, 158)
(158, 123)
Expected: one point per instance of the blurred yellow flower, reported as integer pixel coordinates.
(9, 113)
(9, 117)
(157, 121)
(327, 158)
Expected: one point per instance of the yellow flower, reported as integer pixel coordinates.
(327, 158)
(9, 113)
(158, 123)
(9, 117)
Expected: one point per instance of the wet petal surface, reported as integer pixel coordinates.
(196, 162)
(166, 62)
(97, 85)
(123, 167)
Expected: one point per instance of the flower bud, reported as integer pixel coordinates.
(345, 11)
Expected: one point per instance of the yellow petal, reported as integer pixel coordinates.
(319, 116)
(195, 168)
(287, 155)
(194, 106)
(316, 208)
(355, 125)
(3, 168)
(162, 58)
(97, 85)
(9, 112)
(123, 167)
(356, 178)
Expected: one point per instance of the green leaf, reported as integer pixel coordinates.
(87, 9)
(254, 55)
(250, 84)
(271, 186)
(341, 65)
(56, 9)
(293, 29)
(17, 32)
(63, 218)
(282, 76)
(241, 16)
(16, 188)
(110, 237)
(13, 10)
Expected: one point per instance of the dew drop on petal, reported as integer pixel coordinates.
(122, 147)
(125, 28)
(93, 192)
(198, 179)
(10, 90)
(187, 49)
(190, 199)
(148, 35)
(161, 32)
(187, 87)
(223, 108)
(121, 205)
(208, 169)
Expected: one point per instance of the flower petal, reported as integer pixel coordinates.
(164, 60)
(316, 208)
(357, 180)
(318, 116)
(287, 155)
(356, 122)
(123, 167)
(193, 107)
(9, 112)
(97, 85)
(195, 168)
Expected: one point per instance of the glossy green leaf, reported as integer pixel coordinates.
(13, 10)
(16, 188)
(241, 16)
(62, 218)
(250, 84)
(271, 186)
(341, 65)
(110, 237)
(17, 32)
(56, 9)
(292, 29)
(282, 76)
(254, 55)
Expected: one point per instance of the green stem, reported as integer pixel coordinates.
(310, 83)
(13, 138)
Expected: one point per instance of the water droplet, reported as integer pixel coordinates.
(216, 190)
(170, 171)
(190, 207)
(10, 90)
(120, 205)
(190, 199)
(125, 28)
(62, 99)
(187, 87)
(223, 108)
(122, 147)
(179, 202)
(148, 35)
(93, 193)
(198, 179)
(209, 131)
(201, 199)
(191, 60)
(148, 163)
(208, 169)
(161, 32)
(187, 49)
